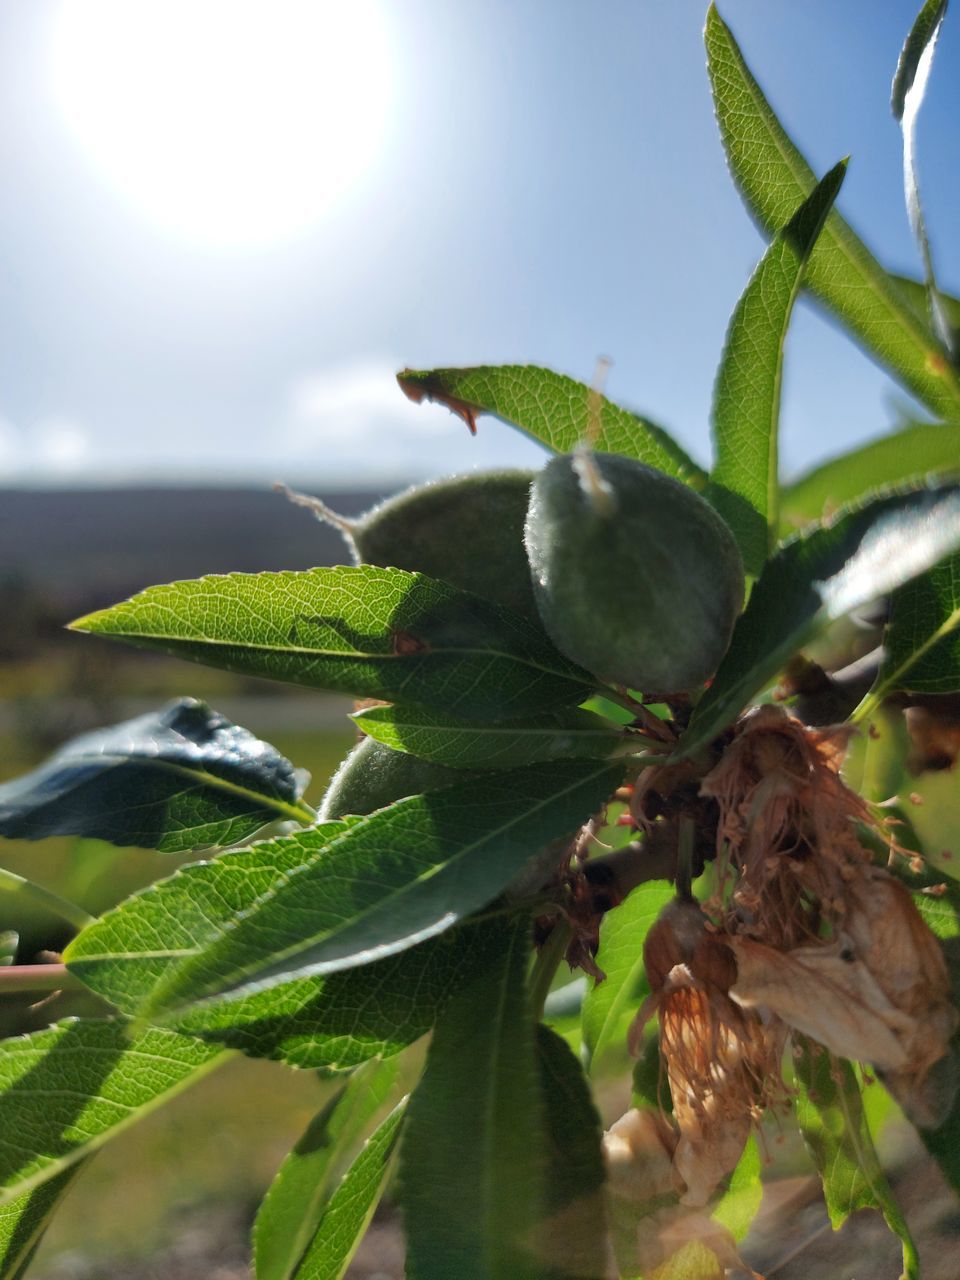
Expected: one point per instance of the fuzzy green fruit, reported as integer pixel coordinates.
(374, 775)
(636, 577)
(467, 531)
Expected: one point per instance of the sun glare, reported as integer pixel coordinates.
(228, 122)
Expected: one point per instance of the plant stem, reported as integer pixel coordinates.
(547, 963)
(19, 978)
(685, 844)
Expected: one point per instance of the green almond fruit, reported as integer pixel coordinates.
(636, 577)
(467, 531)
(374, 775)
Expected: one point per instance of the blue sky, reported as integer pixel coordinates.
(546, 185)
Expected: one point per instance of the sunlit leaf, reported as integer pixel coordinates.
(333, 1022)
(172, 780)
(348, 1212)
(909, 87)
(609, 1006)
(745, 482)
(915, 293)
(740, 1202)
(360, 629)
(66, 1091)
(506, 744)
(815, 579)
(922, 640)
(830, 1114)
(911, 456)
(297, 1202)
(773, 177)
(553, 409)
(24, 1220)
(385, 883)
(471, 1166)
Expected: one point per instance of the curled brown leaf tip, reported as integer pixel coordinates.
(419, 389)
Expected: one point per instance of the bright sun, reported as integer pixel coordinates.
(229, 122)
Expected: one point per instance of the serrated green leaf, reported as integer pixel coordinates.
(909, 86)
(296, 1203)
(334, 1022)
(573, 1239)
(350, 1208)
(387, 882)
(773, 177)
(126, 954)
(173, 780)
(24, 1220)
(66, 1091)
(372, 632)
(745, 482)
(506, 744)
(830, 1114)
(609, 1006)
(921, 649)
(552, 408)
(471, 1165)
(913, 455)
(818, 577)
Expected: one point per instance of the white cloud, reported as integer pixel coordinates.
(60, 445)
(352, 424)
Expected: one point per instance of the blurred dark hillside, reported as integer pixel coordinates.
(74, 550)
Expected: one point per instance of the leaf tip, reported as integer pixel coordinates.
(419, 386)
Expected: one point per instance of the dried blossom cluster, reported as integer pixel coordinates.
(804, 934)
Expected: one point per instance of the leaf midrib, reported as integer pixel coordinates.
(838, 230)
(351, 655)
(239, 987)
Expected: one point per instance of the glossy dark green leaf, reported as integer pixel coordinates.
(773, 178)
(909, 86)
(552, 408)
(372, 632)
(573, 1238)
(349, 1210)
(821, 576)
(24, 1220)
(66, 1091)
(506, 744)
(387, 882)
(830, 1114)
(921, 650)
(745, 481)
(472, 1160)
(911, 456)
(295, 1206)
(176, 779)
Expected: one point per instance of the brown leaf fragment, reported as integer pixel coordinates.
(828, 994)
(420, 389)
